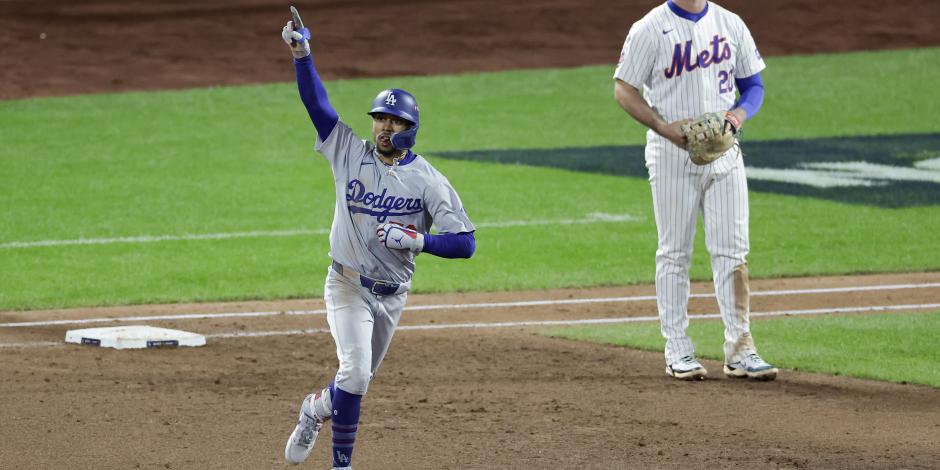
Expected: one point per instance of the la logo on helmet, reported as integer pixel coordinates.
(390, 100)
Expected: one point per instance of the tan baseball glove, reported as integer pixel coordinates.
(710, 136)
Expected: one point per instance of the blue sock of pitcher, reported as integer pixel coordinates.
(345, 424)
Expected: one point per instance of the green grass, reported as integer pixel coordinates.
(820, 95)
(241, 159)
(891, 347)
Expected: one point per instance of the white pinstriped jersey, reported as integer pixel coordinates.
(686, 68)
(686, 65)
(367, 196)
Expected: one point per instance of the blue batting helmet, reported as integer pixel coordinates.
(402, 104)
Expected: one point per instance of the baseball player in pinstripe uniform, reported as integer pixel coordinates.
(689, 57)
(387, 198)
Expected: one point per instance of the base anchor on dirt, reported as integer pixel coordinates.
(134, 337)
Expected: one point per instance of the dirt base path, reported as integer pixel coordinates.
(92, 46)
(472, 393)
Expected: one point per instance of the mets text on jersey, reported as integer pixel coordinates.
(682, 56)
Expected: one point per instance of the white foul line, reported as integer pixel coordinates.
(185, 316)
(592, 218)
(707, 316)
(165, 238)
(37, 344)
(586, 321)
(415, 308)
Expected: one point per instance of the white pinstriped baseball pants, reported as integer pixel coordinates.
(682, 190)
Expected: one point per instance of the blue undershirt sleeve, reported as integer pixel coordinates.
(450, 245)
(752, 94)
(313, 95)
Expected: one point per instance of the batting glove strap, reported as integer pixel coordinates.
(299, 40)
(397, 237)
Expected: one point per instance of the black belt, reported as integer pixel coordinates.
(375, 286)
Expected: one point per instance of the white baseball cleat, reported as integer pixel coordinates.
(751, 367)
(686, 368)
(305, 433)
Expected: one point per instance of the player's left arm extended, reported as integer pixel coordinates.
(313, 95)
(312, 92)
(752, 96)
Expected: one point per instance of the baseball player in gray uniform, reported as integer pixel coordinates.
(690, 57)
(387, 198)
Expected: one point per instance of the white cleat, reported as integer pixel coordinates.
(305, 433)
(686, 368)
(751, 367)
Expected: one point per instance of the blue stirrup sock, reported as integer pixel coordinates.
(345, 424)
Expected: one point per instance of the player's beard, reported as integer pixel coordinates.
(383, 145)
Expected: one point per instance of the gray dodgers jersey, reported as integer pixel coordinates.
(416, 196)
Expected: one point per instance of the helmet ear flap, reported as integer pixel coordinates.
(405, 139)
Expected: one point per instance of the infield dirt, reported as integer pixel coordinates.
(93, 46)
(444, 399)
